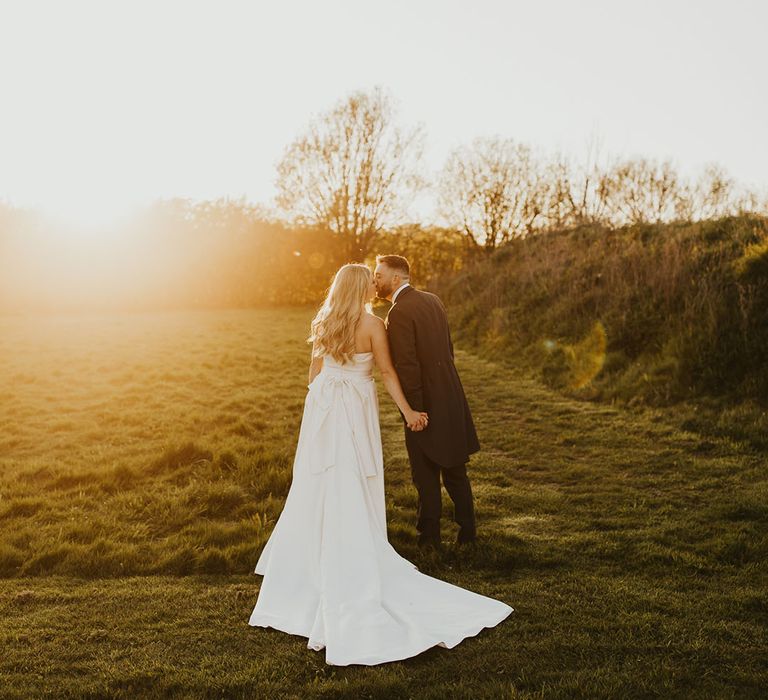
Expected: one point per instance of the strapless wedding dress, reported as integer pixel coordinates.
(330, 573)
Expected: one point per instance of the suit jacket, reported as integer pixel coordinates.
(422, 353)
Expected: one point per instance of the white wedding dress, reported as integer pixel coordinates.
(329, 571)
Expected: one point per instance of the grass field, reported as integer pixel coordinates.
(144, 459)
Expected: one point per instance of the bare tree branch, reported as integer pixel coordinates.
(353, 171)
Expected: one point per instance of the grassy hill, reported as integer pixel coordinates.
(144, 459)
(659, 315)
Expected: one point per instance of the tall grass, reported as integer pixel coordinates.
(684, 310)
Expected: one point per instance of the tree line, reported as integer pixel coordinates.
(178, 253)
(355, 170)
(345, 188)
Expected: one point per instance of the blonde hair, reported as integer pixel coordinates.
(334, 326)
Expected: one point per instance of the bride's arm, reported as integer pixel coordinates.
(315, 365)
(383, 359)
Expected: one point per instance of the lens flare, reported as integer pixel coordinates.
(575, 366)
(588, 357)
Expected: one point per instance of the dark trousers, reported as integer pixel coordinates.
(426, 478)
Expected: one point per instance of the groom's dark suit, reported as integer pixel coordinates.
(422, 353)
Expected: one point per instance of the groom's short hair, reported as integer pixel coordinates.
(395, 262)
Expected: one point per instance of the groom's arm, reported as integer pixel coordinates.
(402, 344)
(447, 328)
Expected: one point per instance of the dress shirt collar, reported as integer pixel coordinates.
(398, 290)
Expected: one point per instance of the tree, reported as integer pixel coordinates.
(586, 186)
(712, 195)
(352, 171)
(642, 191)
(572, 195)
(492, 191)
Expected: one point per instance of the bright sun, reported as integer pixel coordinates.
(86, 220)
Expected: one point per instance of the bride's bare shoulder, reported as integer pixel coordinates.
(372, 320)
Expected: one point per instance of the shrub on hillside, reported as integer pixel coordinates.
(684, 306)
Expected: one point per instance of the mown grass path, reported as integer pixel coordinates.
(144, 458)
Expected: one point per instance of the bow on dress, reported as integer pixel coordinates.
(333, 394)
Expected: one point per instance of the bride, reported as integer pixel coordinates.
(329, 571)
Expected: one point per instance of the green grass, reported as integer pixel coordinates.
(145, 457)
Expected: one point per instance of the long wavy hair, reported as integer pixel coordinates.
(334, 326)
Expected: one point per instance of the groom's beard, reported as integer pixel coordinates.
(384, 291)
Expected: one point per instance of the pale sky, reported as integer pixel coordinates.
(108, 104)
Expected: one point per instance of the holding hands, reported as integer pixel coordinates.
(416, 420)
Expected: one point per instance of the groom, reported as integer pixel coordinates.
(422, 353)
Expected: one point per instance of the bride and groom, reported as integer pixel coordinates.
(330, 573)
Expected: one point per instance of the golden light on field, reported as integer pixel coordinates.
(48, 266)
